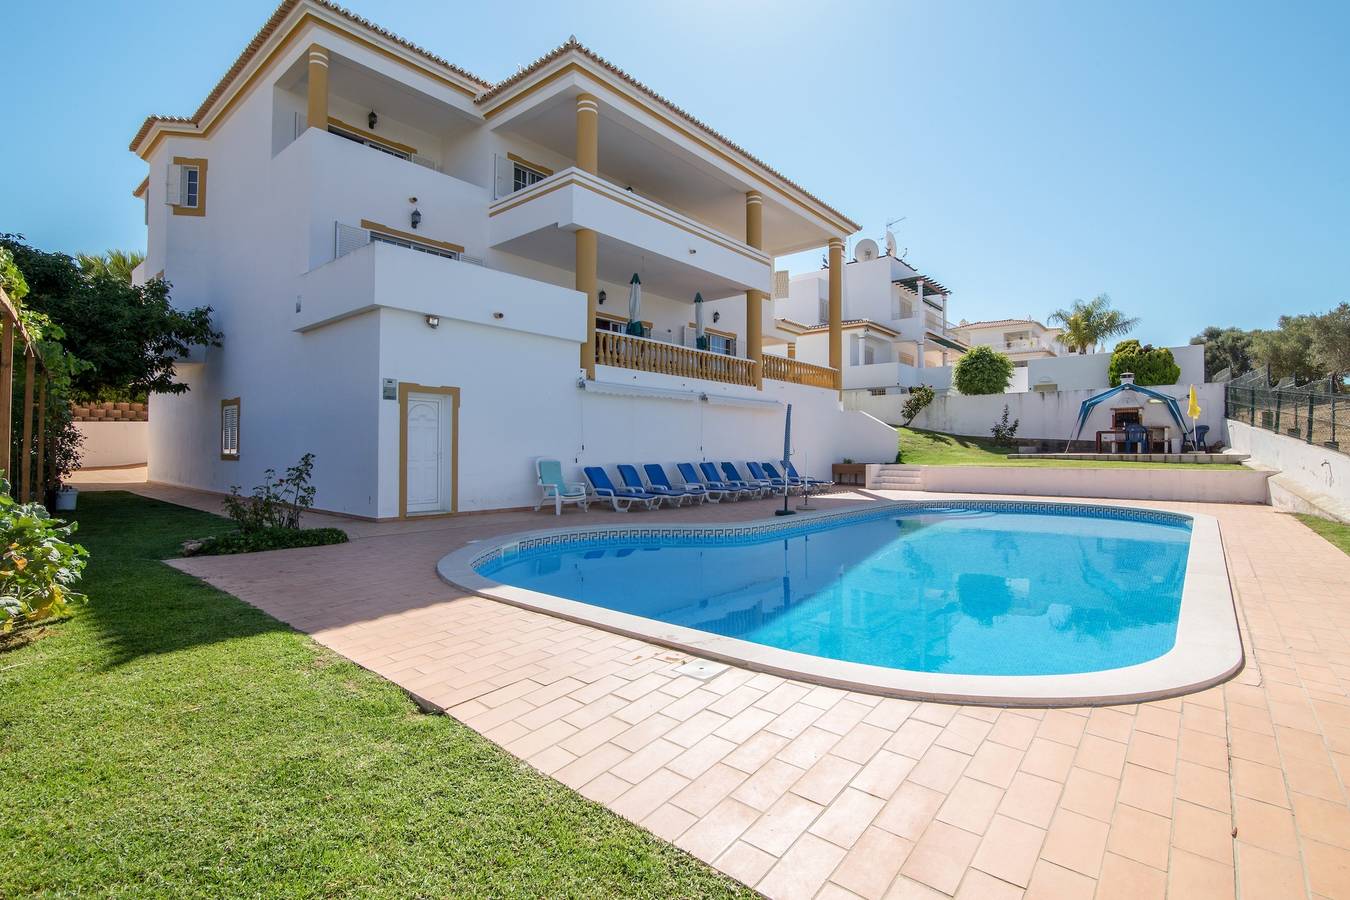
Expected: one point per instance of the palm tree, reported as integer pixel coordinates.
(1090, 323)
(113, 264)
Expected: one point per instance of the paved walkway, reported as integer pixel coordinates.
(805, 791)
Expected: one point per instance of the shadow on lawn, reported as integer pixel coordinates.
(139, 605)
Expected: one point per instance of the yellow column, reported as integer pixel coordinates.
(317, 111)
(754, 325)
(837, 310)
(586, 283)
(588, 133)
(588, 160)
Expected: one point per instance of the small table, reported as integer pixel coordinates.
(1117, 436)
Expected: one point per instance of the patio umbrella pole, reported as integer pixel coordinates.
(787, 452)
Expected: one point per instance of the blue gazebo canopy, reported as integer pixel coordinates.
(1091, 403)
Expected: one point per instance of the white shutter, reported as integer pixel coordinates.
(173, 186)
(347, 238)
(505, 176)
(780, 284)
(229, 429)
(298, 125)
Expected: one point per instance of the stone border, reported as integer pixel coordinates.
(1207, 650)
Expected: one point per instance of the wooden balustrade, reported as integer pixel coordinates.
(627, 351)
(780, 368)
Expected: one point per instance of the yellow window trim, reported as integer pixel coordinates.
(372, 136)
(238, 428)
(409, 236)
(200, 208)
(717, 331)
(543, 170)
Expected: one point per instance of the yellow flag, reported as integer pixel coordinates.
(1194, 409)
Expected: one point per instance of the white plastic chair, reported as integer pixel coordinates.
(552, 487)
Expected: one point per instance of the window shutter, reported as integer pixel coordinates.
(173, 186)
(299, 124)
(505, 176)
(780, 284)
(229, 429)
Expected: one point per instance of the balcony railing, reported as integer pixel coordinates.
(780, 368)
(934, 321)
(646, 355)
(1026, 344)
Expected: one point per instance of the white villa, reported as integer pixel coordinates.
(894, 324)
(422, 277)
(1020, 339)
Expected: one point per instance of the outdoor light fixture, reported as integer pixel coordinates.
(416, 218)
(717, 317)
(372, 119)
(602, 298)
(434, 321)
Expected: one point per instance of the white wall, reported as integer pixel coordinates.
(1074, 371)
(1053, 415)
(1187, 483)
(108, 444)
(1319, 475)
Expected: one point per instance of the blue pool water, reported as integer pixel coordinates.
(967, 591)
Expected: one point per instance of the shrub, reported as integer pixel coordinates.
(261, 539)
(919, 398)
(982, 370)
(39, 564)
(1150, 365)
(1003, 432)
(277, 502)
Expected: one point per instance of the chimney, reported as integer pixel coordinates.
(1127, 378)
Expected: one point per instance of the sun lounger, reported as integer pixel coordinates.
(620, 498)
(715, 479)
(660, 483)
(806, 479)
(552, 487)
(631, 479)
(716, 492)
(758, 472)
(733, 474)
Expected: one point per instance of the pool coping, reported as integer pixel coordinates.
(1207, 650)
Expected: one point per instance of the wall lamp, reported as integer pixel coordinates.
(601, 298)
(372, 119)
(415, 218)
(434, 321)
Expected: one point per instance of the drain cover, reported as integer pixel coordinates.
(701, 669)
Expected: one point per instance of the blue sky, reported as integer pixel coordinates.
(1189, 159)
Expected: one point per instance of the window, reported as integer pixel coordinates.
(376, 236)
(620, 326)
(523, 176)
(369, 142)
(720, 343)
(877, 392)
(869, 354)
(229, 429)
(185, 190)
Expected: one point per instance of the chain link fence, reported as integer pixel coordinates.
(1317, 412)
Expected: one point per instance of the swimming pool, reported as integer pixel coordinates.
(1016, 600)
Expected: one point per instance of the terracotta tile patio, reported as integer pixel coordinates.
(807, 791)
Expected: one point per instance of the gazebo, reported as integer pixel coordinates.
(1126, 384)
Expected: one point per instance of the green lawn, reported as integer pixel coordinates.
(933, 448)
(170, 740)
(1336, 532)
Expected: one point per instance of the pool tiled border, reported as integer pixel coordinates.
(1207, 651)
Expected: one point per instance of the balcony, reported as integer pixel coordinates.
(626, 351)
(780, 368)
(678, 255)
(1029, 345)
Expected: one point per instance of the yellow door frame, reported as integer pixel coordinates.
(404, 389)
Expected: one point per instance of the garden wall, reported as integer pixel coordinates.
(1312, 479)
(1188, 483)
(113, 443)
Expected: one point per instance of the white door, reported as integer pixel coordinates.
(429, 444)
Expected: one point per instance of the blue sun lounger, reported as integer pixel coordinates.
(631, 479)
(763, 484)
(660, 483)
(758, 472)
(715, 479)
(806, 479)
(619, 498)
(716, 492)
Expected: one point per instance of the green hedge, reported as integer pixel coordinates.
(265, 539)
(1150, 365)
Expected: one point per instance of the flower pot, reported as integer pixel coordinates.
(65, 499)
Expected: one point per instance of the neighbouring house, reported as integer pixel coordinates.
(423, 277)
(893, 332)
(1020, 339)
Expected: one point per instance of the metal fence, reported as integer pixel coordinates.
(1317, 412)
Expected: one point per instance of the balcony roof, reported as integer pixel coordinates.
(489, 98)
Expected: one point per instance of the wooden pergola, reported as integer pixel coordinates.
(34, 394)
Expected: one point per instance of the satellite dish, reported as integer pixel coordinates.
(865, 250)
(890, 242)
